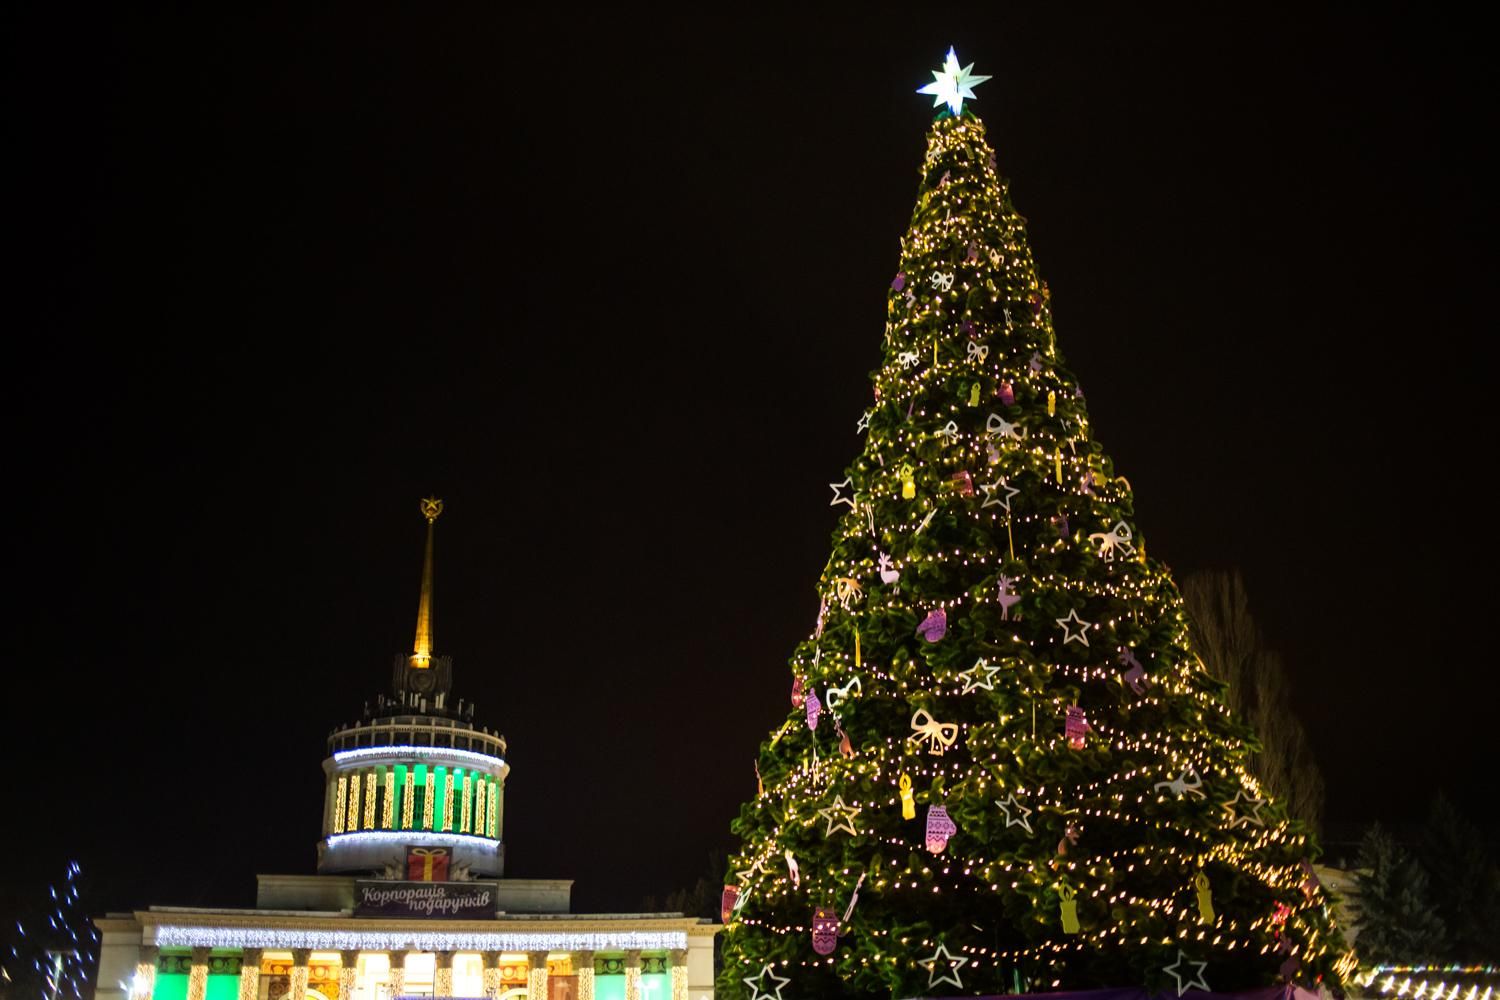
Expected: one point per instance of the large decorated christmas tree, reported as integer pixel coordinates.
(1004, 769)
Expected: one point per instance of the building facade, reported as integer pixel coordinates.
(410, 897)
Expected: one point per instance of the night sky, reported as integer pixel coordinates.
(612, 286)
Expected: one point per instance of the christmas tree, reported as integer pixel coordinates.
(1004, 769)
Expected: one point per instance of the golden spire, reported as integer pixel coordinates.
(421, 650)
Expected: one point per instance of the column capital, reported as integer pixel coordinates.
(301, 955)
(491, 959)
(150, 953)
(537, 959)
(349, 957)
(200, 955)
(444, 958)
(679, 956)
(252, 956)
(632, 958)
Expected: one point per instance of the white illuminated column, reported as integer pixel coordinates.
(397, 977)
(633, 974)
(250, 959)
(197, 987)
(144, 983)
(348, 973)
(297, 986)
(536, 975)
(583, 968)
(491, 973)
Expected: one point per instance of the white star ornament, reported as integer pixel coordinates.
(952, 84)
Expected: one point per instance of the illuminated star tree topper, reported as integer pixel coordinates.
(952, 84)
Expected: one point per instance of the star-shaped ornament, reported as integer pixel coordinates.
(838, 488)
(1083, 628)
(1251, 805)
(840, 817)
(952, 84)
(746, 874)
(1017, 818)
(864, 421)
(1176, 971)
(1004, 488)
(980, 676)
(949, 965)
(1006, 598)
(758, 988)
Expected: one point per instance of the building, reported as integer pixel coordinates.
(410, 897)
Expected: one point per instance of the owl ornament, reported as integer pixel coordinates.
(934, 626)
(814, 710)
(940, 827)
(825, 930)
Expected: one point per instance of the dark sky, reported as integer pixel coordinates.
(612, 285)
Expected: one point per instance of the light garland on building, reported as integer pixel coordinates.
(479, 803)
(429, 797)
(463, 826)
(418, 939)
(353, 821)
(369, 823)
(406, 752)
(493, 829)
(197, 984)
(338, 804)
(447, 800)
(388, 807)
(420, 837)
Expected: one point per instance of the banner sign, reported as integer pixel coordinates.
(450, 900)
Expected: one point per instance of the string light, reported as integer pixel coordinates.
(419, 938)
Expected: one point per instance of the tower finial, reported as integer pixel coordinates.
(421, 650)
